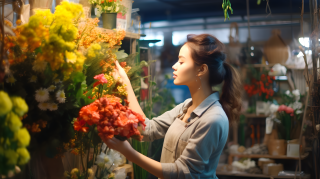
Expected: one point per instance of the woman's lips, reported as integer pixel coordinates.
(174, 76)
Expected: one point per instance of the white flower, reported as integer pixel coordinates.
(43, 106)
(120, 174)
(51, 88)
(299, 111)
(288, 93)
(296, 94)
(115, 158)
(273, 108)
(11, 79)
(52, 106)
(39, 65)
(61, 96)
(102, 159)
(42, 95)
(33, 79)
(296, 105)
(278, 70)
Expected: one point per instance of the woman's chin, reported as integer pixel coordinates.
(176, 82)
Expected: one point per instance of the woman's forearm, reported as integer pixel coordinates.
(133, 102)
(145, 162)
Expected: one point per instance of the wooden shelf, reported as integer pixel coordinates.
(271, 65)
(128, 34)
(230, 159)
(242, 174)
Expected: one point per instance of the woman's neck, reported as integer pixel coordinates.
(199, 95)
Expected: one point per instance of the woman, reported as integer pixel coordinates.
(194, 132)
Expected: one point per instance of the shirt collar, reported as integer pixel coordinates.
(206, 103)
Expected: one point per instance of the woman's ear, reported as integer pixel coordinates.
(203, 70)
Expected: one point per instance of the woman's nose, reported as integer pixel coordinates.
(174, 66)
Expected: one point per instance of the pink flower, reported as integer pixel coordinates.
(289, 110)
(102, 79)
(282, 108)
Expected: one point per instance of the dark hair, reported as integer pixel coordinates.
(207, 49)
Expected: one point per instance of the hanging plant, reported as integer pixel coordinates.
(226, 4)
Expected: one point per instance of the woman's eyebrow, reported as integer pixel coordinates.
(180, 56)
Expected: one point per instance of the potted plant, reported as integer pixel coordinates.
(108, 9)
(287, 118)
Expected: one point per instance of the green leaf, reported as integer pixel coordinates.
(121, 54)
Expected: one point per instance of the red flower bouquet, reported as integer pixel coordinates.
(112, 119)
(263, 87)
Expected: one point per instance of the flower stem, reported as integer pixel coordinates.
(89, 152)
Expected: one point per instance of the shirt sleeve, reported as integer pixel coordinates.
(202, 143)
(158, 126)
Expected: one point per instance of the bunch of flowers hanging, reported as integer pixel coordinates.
(46, 69)
(108, 6)
(260, 84)
(13, 138)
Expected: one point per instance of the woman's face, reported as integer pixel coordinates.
(185, 69)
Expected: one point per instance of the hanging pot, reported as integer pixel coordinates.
(109, 20)
(275, 49)
(234, 47)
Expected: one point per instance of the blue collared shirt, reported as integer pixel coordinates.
(190, 150)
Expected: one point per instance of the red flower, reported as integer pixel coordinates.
(282, 108)
(289, 110)
(123, 64)
(102, 79)
(89, 114)
(79, 125)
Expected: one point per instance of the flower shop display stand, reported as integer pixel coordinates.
(283, 157)
(128, 168)
(241, 174)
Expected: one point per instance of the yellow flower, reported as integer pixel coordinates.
(23, 137)
(20, 106)
(13, 121)
(18, 22)
(5, 103)
(71, 57)
(11, 156)
(24, 156)
(122, 90)
(74, 171)
(111, 176)
(90, 172)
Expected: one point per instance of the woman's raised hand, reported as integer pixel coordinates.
(119, 72)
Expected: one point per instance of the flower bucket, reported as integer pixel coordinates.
(109, 20)
(277, 147)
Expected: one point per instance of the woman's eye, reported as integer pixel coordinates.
(181, 63)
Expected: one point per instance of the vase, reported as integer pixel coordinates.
(109, 20)
(262, 107)
(39, 4)
(277, 147)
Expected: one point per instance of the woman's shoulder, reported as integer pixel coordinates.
(215, 115)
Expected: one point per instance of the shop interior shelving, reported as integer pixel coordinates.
(284, 157)
(240, 174)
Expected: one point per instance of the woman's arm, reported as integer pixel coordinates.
(132, 155)
(133, 102)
